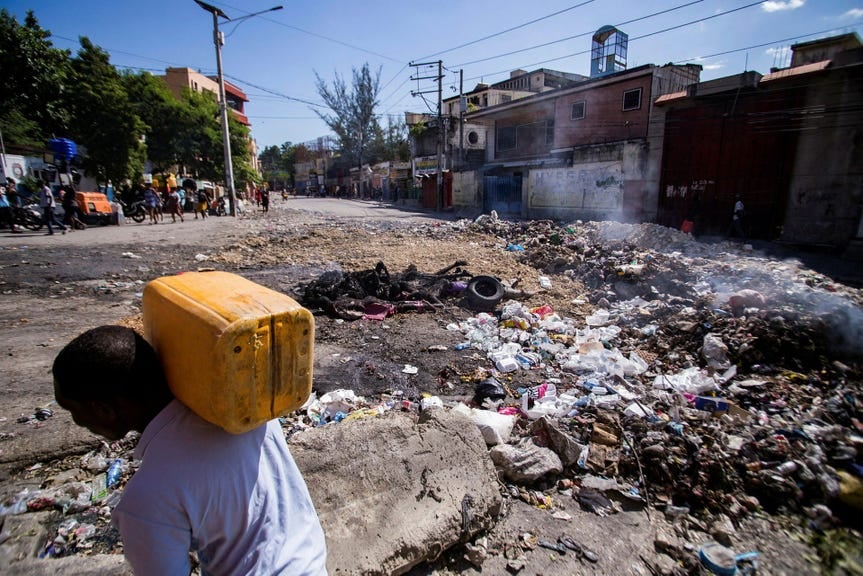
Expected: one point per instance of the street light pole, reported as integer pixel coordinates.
(219, 41)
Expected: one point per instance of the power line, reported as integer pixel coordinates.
(581, 35)
(275, 93)
(113, 51)
(315, 34)
(790, 38)
(282, 117)
(534, 21)
(699, 20)
(691, 22)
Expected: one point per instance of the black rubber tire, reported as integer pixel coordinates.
(138, 215)
(484, 291)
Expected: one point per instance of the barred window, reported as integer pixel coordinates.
(632, 99)
(579, 110)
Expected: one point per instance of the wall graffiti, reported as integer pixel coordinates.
(592, 186)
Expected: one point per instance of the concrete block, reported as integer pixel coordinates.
(393, 492)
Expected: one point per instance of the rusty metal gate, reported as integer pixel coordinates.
(502, 194)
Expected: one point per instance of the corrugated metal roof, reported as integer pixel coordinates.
(796, 71)
(671, 97)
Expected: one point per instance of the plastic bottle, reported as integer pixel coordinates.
(114, 471)
(462, 345)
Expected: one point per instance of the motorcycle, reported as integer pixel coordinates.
(135, 210)
(27, 216)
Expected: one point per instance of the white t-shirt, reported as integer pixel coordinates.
(238, 499)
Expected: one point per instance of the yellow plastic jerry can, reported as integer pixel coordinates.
(235, 352)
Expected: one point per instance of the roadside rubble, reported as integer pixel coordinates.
(699, 385)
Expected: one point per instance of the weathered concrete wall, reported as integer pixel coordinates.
(826, 190)
(466, 190)
(596, 187)
(389, 490)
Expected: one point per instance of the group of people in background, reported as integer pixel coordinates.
(173, 202)
(11, 201)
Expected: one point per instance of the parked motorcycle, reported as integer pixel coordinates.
(136, 210)
(27, 216)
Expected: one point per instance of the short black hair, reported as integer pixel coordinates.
(109, 362)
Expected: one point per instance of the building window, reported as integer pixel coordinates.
(632, 99)
(578, 110)
(549, 132)
(506, 138)
(504, 98)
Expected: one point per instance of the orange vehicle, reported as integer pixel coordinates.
(94, 207)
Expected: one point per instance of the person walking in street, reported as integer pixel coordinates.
(12, 193)
(265, 199)
(173, 206)
(151, 202)
(737, 223)
(70, 209)
(6, 216)
(238, 500)
(202, 205)
(48, 203)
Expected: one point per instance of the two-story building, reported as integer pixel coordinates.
(179, 79)
(590, 151)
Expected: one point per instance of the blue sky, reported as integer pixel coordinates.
(274, 56)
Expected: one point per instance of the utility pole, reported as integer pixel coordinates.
(219, 41)
(440, 127)
(461, 108)
(440, 136)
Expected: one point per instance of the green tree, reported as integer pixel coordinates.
(154, 104)
(352, 111)
(103, 119)
(277, 162)
(390, 143)
(199, 136)
(34, 79)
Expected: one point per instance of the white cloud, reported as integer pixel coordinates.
(777, 5)
(775, 51)
(713, 66)
(853, 14)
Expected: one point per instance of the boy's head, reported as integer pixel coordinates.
(111, 380)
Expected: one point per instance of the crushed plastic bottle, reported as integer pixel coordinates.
(114, 471)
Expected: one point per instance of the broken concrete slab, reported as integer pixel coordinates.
(393, 492)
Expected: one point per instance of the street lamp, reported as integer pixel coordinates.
(219, 40)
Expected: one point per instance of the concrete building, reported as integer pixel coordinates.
(589, 151)
(179, 79)
(789, 143)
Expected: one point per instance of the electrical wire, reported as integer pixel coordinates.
(275, 93)
(484, 38)
(691, 22)
(790, 38)
(581, 35)
(113, 51)
(310, 33)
